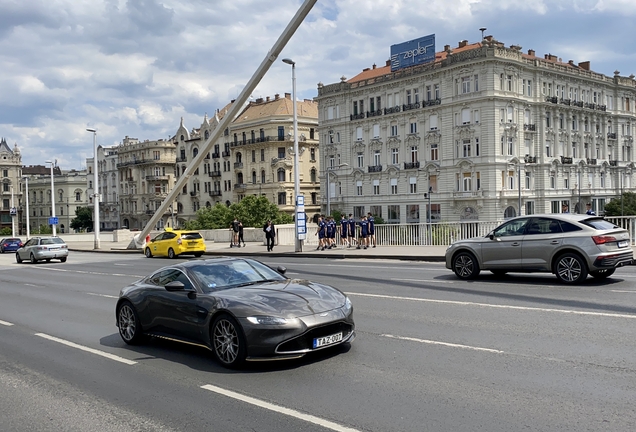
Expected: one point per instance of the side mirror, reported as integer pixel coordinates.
(175, 286)
(491, 236)
(281, 270)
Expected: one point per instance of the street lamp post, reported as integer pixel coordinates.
(298, 242)
(52, 198)
(13, 214)
(28, 224)
(95, 190)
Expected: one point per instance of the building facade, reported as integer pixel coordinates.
(109, 183)
(10, 177)
(70, 194)
(483, 132)
(253, 156)
(146, 175)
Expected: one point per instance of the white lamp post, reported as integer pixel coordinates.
(298, 244)
(52, 197)
(28, 224)
(95, 190)
(13, 215)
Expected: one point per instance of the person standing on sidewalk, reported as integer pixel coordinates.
(352, 230)
(344, 227)
(240, 234)
(234, 229)
(270, 234)
(371, 229)
(364, 233)
(321, 232)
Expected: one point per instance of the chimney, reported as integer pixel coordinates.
(446, 48)
(531, 52)
(267, 99)
(276, 96)
(287, 95)
(463, 43)
(571, 62)
(374, 66)
(388, 63)
(585, 65)
(259, 100)
(488, 38)
(551, 57)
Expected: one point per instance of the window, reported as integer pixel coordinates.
(281, 133)
(508, 82)
(393, 214)
(394, 130)
(528, 180)
(413, 185)
(465, 85)
(376, 187)
(262, 155)
(253, 177)
(552, 181)
(432, 120)
(376, 131)
(360, 160)
(358, 212)
(414, 157)
(428, 93)
(466, 148)
(467, 182)
(413, 213)
(359, 187)
(434, 152)
(282, 198)
(253, 155)
(413, 127)
(359, 133)
(394, 187)
(281, 174)
(466, 116)
(437, 92)
(376, 158)
(263, 176)
(395, 160)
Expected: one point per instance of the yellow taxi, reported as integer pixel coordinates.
(172, 243)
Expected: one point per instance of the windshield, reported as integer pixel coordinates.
(599, 223)
(191, 236)
(232, 273)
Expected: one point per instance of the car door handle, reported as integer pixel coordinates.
(555, 242)
(515, 244)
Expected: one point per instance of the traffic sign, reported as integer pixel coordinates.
(13, 211)
(53, 221)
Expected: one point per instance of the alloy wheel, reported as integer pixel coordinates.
(569, 269)
(226, 341)
(127, 323)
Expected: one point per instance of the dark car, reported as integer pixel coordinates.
(10, 244)
(238, 308)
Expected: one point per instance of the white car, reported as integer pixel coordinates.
(42, 248)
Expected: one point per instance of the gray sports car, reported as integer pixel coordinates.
(238, 308)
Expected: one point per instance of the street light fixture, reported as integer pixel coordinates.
(52, 198)
(298, 242)
(329, 170)
(95, 190)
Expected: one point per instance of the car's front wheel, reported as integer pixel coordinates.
(602, 274)
(171, 253)
(228, 342)
(148, 253)
(570, 268)
(128, 323)
(18, 258)
(465, 266)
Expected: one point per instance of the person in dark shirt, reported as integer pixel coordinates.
(344, 227)
(240, 234)
(588, 209)
(331, 232)
(321, 232)
(364, 232)
(352, 230)
(234, 228)
(270, 234)
(371, 229)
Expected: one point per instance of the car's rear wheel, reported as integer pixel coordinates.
(148, 253)
(18, 258)
(570, 268)
(228, 342)
(465, 266)
(128, 323)
(63, 259)
(33, 260)
(171, 253)
(602, 274)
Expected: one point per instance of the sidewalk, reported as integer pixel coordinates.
(257, 249)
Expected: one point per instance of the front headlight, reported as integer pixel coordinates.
(348, 304)
(269, 320)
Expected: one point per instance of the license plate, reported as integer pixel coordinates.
(192, 243)
(623, 243)
(327, 340)
(54, 248)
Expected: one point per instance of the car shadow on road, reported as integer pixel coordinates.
(509, 281)
(202, 359)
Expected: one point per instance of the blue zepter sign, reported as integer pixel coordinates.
(413, 52)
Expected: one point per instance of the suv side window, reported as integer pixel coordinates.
(512, 228)
(568, 227)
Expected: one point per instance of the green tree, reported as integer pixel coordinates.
(83, 219)
(45, 229)
(624, 205)
(6, 231)
(252, 211)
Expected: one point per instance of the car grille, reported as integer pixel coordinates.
(304, 342)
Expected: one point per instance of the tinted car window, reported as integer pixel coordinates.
(226, 274)
(164, 277)
(599, 223)
(52, 240)
(31, 242)
(191, 236)
(568, 227)
(512, 228)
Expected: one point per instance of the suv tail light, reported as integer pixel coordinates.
(603, 239)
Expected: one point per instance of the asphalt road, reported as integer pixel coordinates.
(433, 353)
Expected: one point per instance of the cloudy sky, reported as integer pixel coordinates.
(135, 67)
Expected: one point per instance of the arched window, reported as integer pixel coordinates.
(263, 176)
(312, 153)
(253, 177)
(313, 175)
(281, 174)
(239, 178)
(207, 135)
(181, 137)
(195, 152)
(239, 157)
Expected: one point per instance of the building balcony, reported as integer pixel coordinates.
(613, 163)
(578, 104)
(375, 168)
(530, 159)
(226, 153)
(238, 165)
(552, 99)
(129, 179)
(184, 159)
(530, 127)
(392, 110)
(565, 102)
(157, 178)
(215, 193)
(215, 155)
(565, 160)
(431, 102)
(239, 186)
(357, 116)
(591, 161)
(214, 173)
(411, 165)
(469, 194)
(611, 135)
(411, 106)
(374, 113)
(194, 193)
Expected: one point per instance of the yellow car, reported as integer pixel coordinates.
(174, 243)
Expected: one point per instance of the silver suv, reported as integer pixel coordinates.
(569, 245)
(42, 248)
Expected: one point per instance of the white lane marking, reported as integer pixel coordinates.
(358, 267)
(292, 273)
(91, 273)
(87, 349)
(448, 344)
(103, 295)
(279, 409)
(423, 280)
(464, 303)
(5, 323)
(624, 291)
(124, 265)
(31, 285)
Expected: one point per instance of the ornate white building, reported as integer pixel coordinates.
(10, 189)
(470, 127)
(109, 183)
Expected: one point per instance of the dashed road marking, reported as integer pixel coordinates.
(91, 273)
(447, 344)
(5, 323)
(103, 295)
(279, 409)
(87, 349)
(496, 306)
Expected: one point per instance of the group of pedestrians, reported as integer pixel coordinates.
(236, 230)
(346, 230)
